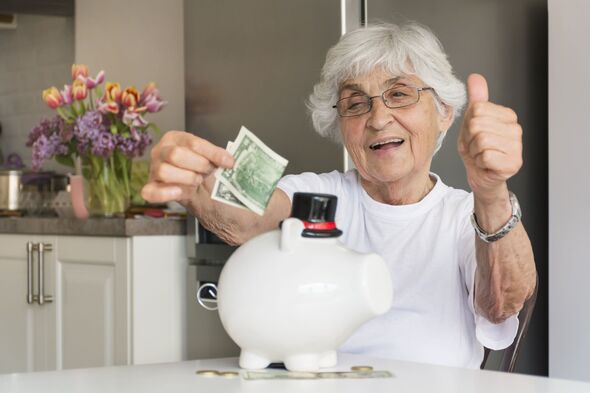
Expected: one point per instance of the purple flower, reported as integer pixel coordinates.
(67, 132)
(88, 126)
(87, 130)
(46, 147)
(104, 144)
(47, 127)
(132, 147)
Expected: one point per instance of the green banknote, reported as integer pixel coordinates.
(255, 174)
(223, 194)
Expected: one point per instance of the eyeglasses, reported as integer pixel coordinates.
(397, 97)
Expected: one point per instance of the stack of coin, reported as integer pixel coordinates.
(363, 369)
(216, 373)
(207, 373)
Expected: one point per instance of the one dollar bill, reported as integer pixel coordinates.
(254, 176)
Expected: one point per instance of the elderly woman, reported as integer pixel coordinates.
(461, 263)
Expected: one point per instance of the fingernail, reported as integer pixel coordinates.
(227, 161)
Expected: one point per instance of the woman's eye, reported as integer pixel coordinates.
(354, 105)
(397, 94)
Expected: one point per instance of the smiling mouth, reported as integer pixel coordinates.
(393, 142)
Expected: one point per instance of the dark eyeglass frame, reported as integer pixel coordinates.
(382, 95)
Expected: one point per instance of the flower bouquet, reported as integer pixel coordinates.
(98, 133)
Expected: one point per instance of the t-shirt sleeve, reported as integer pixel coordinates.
(490, 335)
(325, 183)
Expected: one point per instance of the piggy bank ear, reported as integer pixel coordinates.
(291, 230)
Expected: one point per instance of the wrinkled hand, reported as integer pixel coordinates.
(490, 140)
(179, 164)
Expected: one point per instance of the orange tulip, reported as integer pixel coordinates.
(130, 97)
(79, 90)
(52, 97)
(79, 70)
(112, 92)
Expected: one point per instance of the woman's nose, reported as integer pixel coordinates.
(380, 116)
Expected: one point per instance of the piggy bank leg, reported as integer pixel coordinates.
(303, 362)
(329, 359)
(251, 361)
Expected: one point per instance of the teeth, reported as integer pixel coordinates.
(393, 140)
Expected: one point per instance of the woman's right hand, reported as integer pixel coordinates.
(180, 162)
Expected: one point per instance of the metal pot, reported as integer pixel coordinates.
(29, 191)
(10, 186)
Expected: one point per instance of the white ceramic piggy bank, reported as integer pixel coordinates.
(295, 295)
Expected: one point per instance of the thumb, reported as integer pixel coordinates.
(477, 88)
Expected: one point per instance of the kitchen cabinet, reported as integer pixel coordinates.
(115, 301)
(25, 330)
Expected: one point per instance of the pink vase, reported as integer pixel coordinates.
(77, 195)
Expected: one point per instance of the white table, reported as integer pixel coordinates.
(180, 377)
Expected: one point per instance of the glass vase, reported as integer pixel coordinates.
(108, 185)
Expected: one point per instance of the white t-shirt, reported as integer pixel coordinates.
(429, 248)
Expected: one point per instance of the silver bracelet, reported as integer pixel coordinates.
(500, 233)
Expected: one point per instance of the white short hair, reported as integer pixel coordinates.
(409, 49)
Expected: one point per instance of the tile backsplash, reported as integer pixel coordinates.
(35, 55)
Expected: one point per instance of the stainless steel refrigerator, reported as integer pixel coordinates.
(253, 63)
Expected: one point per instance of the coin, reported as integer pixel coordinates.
(207, 373)
(364, 369)
(229, 374)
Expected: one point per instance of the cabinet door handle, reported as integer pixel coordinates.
(42, 298)
(29, 273)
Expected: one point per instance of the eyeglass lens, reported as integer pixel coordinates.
(396, 97)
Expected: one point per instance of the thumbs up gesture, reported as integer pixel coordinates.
(490, 141)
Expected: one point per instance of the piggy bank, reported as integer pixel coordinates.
(295, 294)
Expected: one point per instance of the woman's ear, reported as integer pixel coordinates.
(446, 118)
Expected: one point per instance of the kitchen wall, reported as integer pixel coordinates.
(40, 51)
(136, 42)
(35, 55)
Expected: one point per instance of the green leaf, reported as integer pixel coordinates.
(156, 129)
(82, 107)
(65, 160)
(63, 115)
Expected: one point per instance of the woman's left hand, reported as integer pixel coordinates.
(490, 141)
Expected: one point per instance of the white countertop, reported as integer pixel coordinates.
(180, 377)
